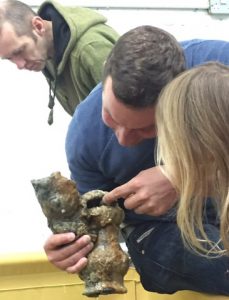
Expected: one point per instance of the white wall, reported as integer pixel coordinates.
(30, 148)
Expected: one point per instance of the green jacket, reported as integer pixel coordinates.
(88, 44)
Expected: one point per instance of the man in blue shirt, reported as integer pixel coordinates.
(110, 146)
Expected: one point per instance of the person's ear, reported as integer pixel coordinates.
(38, 25)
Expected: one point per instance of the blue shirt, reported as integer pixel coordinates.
(200, 51)
(96, 160)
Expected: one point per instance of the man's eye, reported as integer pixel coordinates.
(149, 129)
(17, 53)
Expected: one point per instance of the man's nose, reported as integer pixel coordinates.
(122, 134)
(20, 63)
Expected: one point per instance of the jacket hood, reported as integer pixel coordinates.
(85, 19)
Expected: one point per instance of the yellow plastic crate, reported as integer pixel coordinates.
(29, 276)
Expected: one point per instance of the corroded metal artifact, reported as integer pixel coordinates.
(67, 211)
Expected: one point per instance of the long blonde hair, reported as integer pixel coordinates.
(193, 144)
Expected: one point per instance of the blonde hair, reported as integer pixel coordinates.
(193, 143)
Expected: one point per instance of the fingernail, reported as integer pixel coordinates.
(103, 199)
(71, 236)
(87, 239)
(91, 245)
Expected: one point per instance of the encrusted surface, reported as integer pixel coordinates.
(67, 211)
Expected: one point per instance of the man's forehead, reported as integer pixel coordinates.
(9, 41)
(8, 33)
(7, 27)
(127, 117)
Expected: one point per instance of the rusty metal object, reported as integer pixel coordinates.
(67, 211)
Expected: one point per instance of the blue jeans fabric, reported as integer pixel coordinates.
(166, 266)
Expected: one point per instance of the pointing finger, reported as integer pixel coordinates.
(119, 192)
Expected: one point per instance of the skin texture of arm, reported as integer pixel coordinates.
(150, 192)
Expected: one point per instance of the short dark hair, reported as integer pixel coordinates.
(19, 15)
(141, 63)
